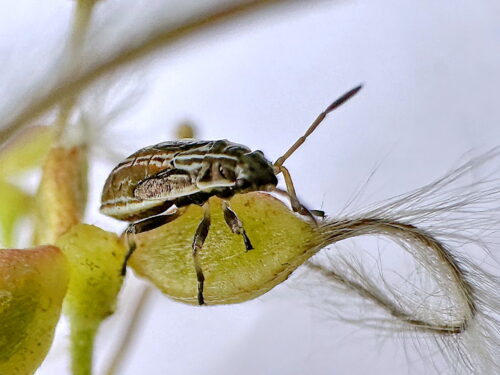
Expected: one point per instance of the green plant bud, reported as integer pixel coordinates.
(96, 258)
(185, 130)
(32, 286)
(14, 204)
(61, 196)
(27, 150)
(282, 241)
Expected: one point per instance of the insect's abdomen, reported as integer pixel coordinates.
(118, 198)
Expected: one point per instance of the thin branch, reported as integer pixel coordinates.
(73, 53)
(166, 37)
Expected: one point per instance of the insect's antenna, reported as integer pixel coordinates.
(337, 103)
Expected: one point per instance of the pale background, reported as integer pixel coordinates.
(431, 70)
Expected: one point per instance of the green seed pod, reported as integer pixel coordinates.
(282, 241)
(32, 286)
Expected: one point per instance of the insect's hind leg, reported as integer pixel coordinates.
(235, 224)
(143, 226)
(199, 238)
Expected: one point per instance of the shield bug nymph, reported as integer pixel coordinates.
(176, 174)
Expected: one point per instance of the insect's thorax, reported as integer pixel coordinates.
(182, 173)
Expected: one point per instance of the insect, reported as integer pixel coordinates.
(176, 174)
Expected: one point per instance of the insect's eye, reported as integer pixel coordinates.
(227, 173)
(242, 183)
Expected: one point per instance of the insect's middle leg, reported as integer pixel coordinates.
(143, 226)
(199, 239)
(235, 224)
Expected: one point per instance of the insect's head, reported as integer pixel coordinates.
(254, 172)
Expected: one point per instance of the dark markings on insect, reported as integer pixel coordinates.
(180, 173)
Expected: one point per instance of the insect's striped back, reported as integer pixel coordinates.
(118, 198)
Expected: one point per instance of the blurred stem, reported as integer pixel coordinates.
(73, 56)
(162, 38)
(130, 331)
(81, 21)
(82, 345)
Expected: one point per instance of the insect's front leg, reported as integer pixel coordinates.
(143, 226)
(199, 238)
(294, 201)
(318, 213)
(235, 224)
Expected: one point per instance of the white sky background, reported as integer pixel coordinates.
(431, 71)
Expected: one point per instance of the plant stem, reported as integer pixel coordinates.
(82, 345)
(73, 56)
(82, 331)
